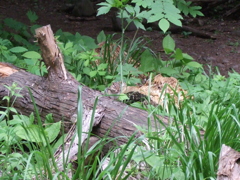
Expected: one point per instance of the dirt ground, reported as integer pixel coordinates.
(223, 52)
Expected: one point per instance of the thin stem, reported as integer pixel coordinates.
(121, 51)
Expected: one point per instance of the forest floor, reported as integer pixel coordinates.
(223, 52)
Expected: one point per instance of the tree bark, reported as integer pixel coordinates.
(229, 164)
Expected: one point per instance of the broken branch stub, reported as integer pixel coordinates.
(51, 53)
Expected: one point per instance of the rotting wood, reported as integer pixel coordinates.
(71, 144)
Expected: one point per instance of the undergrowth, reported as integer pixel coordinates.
(187, 148)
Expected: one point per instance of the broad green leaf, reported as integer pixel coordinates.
(32, 55)
(31, 133)
(101, 37)
(89, 42)
(6, 98)
(137, 10)
(14, 24)
(130, 9)
(102, 73)
(164, 25)
(147, 61)
(22, 40)
(198, 13)
(194, 11)
(168, 71)
(68, 45)
(52, 131)
(101, 87)
(174, 20)
(103, 10)
(138, 24)
(79, 77)
(186, 56)
(30, 62)
(59, 142)
(155, 17)
(18, 49)
(143, 3)
(86, 70)
(93, 73)
(109, 77)
(154, 161)
(3, 114)
(86, 63)
(34, 70)
(168, 44)
(178, 54)
(5, 42)
(123, 97)
(10, 58)
(49, 119)
(15, 122)
(194, 64)
(102, 66)
(12, 109)
(123, 14)
(83, 55)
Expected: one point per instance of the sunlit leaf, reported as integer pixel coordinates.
(18, 49)
(168, 44)
(164, 25)
(53, 130)
(32, 55)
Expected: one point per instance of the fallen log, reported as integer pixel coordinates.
(57, 93)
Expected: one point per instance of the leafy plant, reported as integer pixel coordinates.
(14, 55)
(21, 45)
(19, 134)
(213, 88)
(21, 34)
(162, 11)
(82, 60)
(179, 64)
(32, 62)
(13, 93)
(32, 16)
(186, 8)
(5, 54)
(130, 74)
(187, 148)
